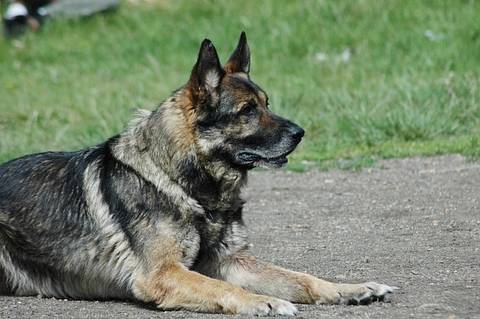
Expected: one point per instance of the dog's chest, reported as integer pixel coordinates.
(212, 239)
(219, 229)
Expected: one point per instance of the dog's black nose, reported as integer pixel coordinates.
(298, 132)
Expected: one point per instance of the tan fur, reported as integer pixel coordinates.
(263, 97)
(230, 67)
(179, 118)
(184, 101)
(266, 120)
(239, 74)
(246, 271)
(172, 286)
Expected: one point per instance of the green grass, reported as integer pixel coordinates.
(400, 94)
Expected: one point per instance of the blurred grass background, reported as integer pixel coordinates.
(367, 79)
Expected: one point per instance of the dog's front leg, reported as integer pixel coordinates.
(175, 287)
(246, 271)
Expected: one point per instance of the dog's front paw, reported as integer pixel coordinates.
(350, 294)
(259, 305)
(363, 294)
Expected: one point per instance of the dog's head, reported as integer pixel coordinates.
(233, 121)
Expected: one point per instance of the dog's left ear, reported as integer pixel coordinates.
(240, 59)
(207, 72)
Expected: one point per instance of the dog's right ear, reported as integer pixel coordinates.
(240, 59)
(207, 72)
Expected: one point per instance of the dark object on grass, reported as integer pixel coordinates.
(22, 14)
(15, 19)
(15, 26)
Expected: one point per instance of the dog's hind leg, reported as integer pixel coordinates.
(175, 287)
(246, 271)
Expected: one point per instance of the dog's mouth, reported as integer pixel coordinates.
(257, 160)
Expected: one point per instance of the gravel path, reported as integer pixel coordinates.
(412, 223)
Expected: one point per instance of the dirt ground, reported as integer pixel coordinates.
(412, 223)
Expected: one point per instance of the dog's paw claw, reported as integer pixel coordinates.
(366, 293)
(379, 290)
(269, 306)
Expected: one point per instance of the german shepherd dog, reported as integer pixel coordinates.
(155, 214)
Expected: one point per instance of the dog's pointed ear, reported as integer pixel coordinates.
(207, 72)
(240, 59)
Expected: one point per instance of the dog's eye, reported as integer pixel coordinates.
(248, 109)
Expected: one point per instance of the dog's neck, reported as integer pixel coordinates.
(162, 142)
